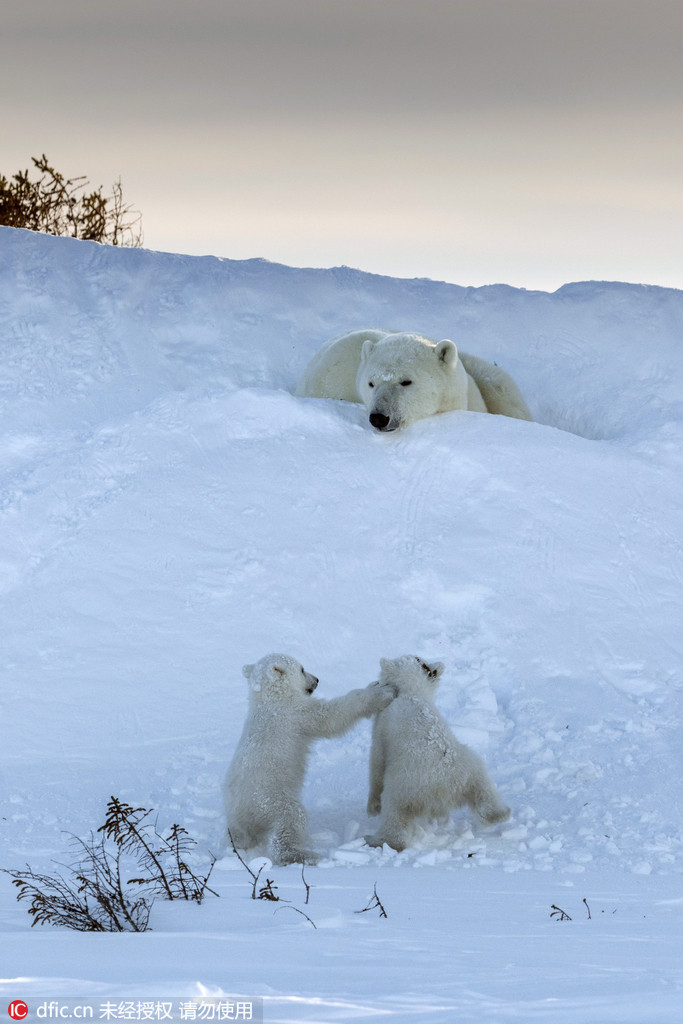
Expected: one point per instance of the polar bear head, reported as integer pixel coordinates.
(279, 675)
(411, 675)
(405, 377)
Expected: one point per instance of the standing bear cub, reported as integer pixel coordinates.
(417, 767)
(264, 781)
(401, 378)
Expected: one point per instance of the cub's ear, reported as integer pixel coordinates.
(251, 675)
(366, 350)
(384, 663)
(280, 671)
(447, 352)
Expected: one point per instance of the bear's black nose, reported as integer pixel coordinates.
(379, 421)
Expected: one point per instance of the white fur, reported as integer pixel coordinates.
(401, 378)
(263, 784)
(417, 767)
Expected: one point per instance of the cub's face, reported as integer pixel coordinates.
(412, 675)
(279, 674)
(403, 378)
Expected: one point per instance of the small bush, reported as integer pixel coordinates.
(96, 897)
(57, 205)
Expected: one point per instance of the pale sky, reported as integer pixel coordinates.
(531, 142)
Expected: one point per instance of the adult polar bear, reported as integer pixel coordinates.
(402, 377)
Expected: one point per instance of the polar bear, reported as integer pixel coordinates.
(263, 783)
(401, 378)
(417, 767)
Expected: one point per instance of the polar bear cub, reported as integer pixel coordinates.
(402, 377)
(417, 767)
(263, 783)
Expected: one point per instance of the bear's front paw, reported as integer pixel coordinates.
(382, 695)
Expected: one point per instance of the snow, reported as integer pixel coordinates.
(170, 512)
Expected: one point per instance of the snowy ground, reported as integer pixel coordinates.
(169, 511)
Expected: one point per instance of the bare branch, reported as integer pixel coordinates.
(374, 903)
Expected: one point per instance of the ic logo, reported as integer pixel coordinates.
(18, 1009)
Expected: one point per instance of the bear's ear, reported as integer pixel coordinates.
(384, 663)
(280, 671)
(366, 350)
(250, 674)
(447, 352)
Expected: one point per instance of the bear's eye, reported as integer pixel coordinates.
(370, 384)
(406, 383)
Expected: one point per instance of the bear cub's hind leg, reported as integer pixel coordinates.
(290, 834)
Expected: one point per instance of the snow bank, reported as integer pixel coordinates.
(170, 511)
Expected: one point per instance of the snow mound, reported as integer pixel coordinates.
(170, 511)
